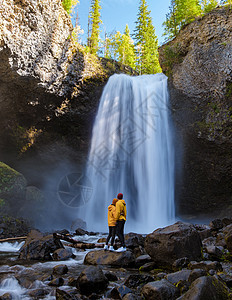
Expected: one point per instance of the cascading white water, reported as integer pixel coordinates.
(132, 153)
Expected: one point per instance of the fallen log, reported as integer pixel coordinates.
(84, 246)
(65, 238)
(13, 239)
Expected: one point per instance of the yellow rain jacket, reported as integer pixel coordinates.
(120, 213)
(111, 215)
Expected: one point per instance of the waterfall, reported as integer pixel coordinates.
(132, 153)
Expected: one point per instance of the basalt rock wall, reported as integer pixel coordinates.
(199, 65)
(49, 86)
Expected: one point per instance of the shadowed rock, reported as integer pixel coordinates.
(101, 257)
(166, 245)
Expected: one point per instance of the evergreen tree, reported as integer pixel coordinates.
(94, 23)
(146, 42)
(181, 12)
(208, 5)
(69, 4)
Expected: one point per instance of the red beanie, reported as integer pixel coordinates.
(120, 196)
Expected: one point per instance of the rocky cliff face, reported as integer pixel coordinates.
(199, 64)
(49, 87)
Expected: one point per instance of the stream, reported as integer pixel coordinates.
(23, 278)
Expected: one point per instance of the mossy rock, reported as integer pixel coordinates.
(12, 184)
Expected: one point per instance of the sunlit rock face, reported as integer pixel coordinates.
(199, 64)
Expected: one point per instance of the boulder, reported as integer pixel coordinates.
(137, 280)
(92, 280)
(142, 259)
(134, 240)
(111, 276)
(216, 224)
(63, 254)
(118, 292)
(6, 296)
(176, 277)
(180, 263)
(160, 290)
(60, 270)
(228, 237)
(207, 288)
(39, 247)
(196, 273)
(12, 227)
(166, 245)
(131, 296)
(56, 282)
(38, 293)
(206, 265)
(101, 257)
(64, 295)
(214, 252)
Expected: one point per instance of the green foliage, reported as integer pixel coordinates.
(181, 12)
(95, 21)
(69, 4)
(172, 55)
(120, 47)
(146, 42)
(208, 5)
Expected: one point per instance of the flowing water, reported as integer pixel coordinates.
(132, 153)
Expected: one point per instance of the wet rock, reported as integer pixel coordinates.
(147, 267)
(196, 273)
(92, 280)
(56, 282)
(80, 231)
(181, 263)
(37, 293)
(64, 295)
(134, 240)
(207, 287)
(6, 296)
(72, 281)
(102, 240)
(206, 265)
(39, 247)
(27, 277)
(214, 252)
(111, 276)
(131, 296)
(142, 259)
(166, 245)
(182, 275)
(136, 280)
(63, 254)
(228, 237)
(216, 224)
(210, 241)
(226, 278)
(118, 292)
(101, 257)
(63, 231)
(60, 270)
(160, 290)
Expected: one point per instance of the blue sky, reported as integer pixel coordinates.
(116, 14)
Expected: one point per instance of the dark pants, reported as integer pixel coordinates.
(112, 231)
(120, 230)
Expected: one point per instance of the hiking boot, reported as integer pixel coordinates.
(106, 247)
(111, 248)
(122, 249)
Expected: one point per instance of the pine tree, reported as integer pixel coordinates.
(181, 12)
(208, 5)
(94, 23)
(146, 42)
(69, 4)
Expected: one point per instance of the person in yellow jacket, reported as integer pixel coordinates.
(120, 215)
(111, 224)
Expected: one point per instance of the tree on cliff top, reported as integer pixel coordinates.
(95, 21)
(146, 42)
(69, 4)
(181, 12)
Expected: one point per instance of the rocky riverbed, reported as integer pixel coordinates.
(180, 261)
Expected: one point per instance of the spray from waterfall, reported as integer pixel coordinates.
(132, 152)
